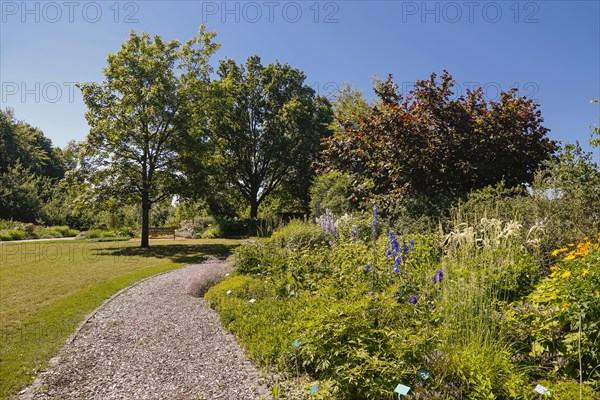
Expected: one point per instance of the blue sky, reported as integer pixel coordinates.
(550, 50)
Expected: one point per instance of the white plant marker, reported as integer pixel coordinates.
(252, 301)
(402, 390)
(543, 390)
(229, 292)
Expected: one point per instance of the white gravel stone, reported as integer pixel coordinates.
(152, 341)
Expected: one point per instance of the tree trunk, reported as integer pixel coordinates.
(254, 208)
(145, 220)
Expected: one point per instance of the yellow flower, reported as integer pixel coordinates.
(585, 272)
(570, 257)
(558, 251)
(565, 305)
(552, 275)
(566, 274)
(597, 293)
(553, 268)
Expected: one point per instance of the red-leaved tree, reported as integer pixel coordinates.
(430, 148)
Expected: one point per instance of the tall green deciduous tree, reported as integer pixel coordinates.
(429, 149)
(30, 168)
(151, 98)
(266, 127)
(21, 142)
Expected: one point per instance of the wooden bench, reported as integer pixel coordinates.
(153, 232)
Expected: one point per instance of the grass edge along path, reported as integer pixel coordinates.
(25, 353)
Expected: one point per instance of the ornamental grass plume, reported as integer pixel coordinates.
(199, 281)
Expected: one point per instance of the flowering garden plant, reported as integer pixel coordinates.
(559, 322)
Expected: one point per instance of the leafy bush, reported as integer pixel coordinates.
(99, 233)
(65, 231)
(239, 227)
(332, 190)
(211, 232)
(557, 326)
(249, 308)
(16, 234)
(48, 233)
(298, 234)
(369, 315)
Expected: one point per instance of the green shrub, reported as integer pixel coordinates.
(49, 233)
(569, 390)
(298, 234)
(200, 224)
(332, 190)
(367, 321)
(239, 227)
(65, 231)
(558, 324)
(16, 234)
(99, 233)
(262, 325)
(211, 232)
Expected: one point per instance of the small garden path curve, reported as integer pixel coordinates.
(152, 341)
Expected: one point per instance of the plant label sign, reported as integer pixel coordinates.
(402, 389)
(296, 343)
(314, 389)
(423, 374)
(544, 391)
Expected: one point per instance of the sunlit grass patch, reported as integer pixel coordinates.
(47, 288)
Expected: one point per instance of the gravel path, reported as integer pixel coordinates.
(152, 341)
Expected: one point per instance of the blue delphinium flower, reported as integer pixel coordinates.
(388, 253)
(375, 216)
(413, 300)
(394, 245)
(437, 278)
(331, 222)
(367, 267)
(440, 274)
(328, 223)
(397, 262)
(354, 232)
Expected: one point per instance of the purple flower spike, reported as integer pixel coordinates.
(367, 267)
(398, 261)
(437, 278)
(354, 232)
(388, 253)
(440, 275)
(413, 300)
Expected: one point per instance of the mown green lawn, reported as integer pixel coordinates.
(47, 288)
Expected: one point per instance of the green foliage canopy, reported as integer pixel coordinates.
(266, 126)
(140, 113)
